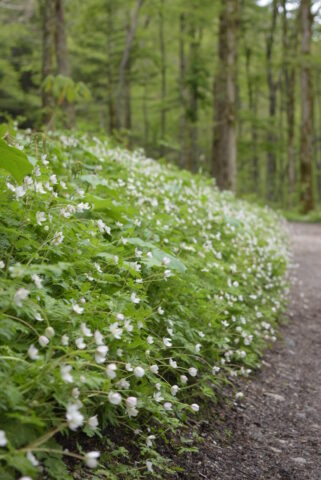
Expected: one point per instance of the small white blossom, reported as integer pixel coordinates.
(76, 308)
(139, 372)
(40, 218)
(75, 418)
(93, 422)
(115, 398)
(116, 331)
(91, 459)
(85, 330)
(65, 340)
(134, 299)
(65, 373)
(111, 370)
(195, 407)
(192, 371)
(33, 352)
(3, 438)
(80, 343)
(43, 341)
(21, 295)
(57, 238)
(50, 332)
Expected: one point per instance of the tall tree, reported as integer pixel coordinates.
(125, 60)
(306, 149)
(63, 63)
(47, 57)
(224, 135)
(163, 75)
(272, 87)
(112, 123)
(181, 85)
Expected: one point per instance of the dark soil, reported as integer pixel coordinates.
(275, 432)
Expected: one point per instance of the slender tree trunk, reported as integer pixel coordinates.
(272, 86)
(253, 109)
(192, 154)
(224, 137)
(47, 57)
(112, 123)
(289, 40)
(124, 61)
(182, 71)
(306, 150)
(62, 56)
(163, 76)
(127, 92)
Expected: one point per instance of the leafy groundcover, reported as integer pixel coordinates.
(130, 292)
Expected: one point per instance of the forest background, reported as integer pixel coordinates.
(231, 87)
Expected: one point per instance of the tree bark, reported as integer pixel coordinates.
(252, 99)
(224, 135)
(272, 86)
(112, 123)
(193, 93)
(127, 91)
(63, 63)
(306, 147)
(124, 62)
(182, 71)
(47, 57)
(163, 76)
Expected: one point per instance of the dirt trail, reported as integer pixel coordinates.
(275, 433)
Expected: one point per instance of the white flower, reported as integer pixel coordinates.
(85, 330)
(150, 340)
(102, 227)
(80, 343)
(138, 253)
(33, 352)
(75, 418)
(167, 342)
(116, 331)
(134, 299)
(192, 371)
(149, 466)
(123, 384)
(53, 179)
(149, 440)
(99, 339)
(131, 402)
(81, 207)
(100, 354)
(43, 340)
(128, 326)
(3, 438)
(166, 261)
(32, 459)
(65, 340)
(57, 238)
(38, 317)
(174, 390)
(114, 398)
(50, 332)
(76, 308)
(195, 407)
(120, 317)
(216, 370)
(91, 459)
(37, 280)
(149, 254)
(111, 370)
(139, 372)
(75, 392)
(154, 369)
(167, 406)
(239, 395)
(129, 367)
(25, 478)
(160, 311)
(93, 422)
(40, 218)
(158, 397)
(65, 373)
(98, 267)
(167, 274)
(173, 363)
(2, 264)
(184, 379)
(21, 295)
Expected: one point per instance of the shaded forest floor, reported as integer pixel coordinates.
(275, 432)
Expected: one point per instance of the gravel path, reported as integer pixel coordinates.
(275, 433)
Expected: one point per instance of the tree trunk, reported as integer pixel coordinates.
(192, 154)
(63, 63)
(306, 150)
(253, 109)
(127, 92)
(289, 70)
(182, 71)
(163, 76)
(47, 58)
(112, 123)
(224, 137)
(124, 62)
(272, 86)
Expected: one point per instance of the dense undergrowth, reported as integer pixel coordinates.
(129, 292)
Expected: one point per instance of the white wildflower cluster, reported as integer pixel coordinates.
(138, 284)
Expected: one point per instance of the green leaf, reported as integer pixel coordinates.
(14, 161)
